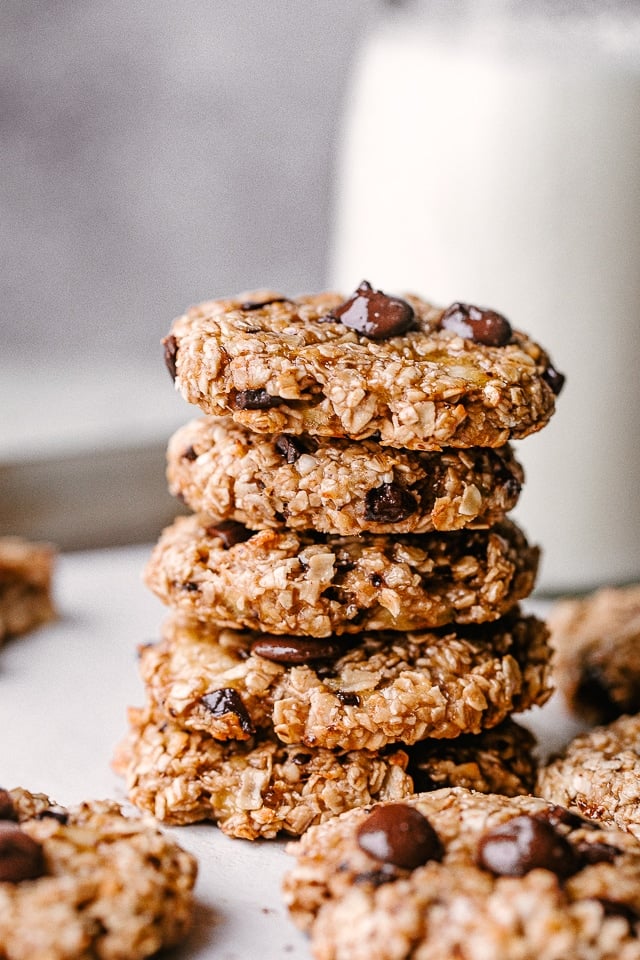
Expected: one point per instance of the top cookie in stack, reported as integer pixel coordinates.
(349, 579)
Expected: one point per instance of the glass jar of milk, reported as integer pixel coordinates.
(491, 154)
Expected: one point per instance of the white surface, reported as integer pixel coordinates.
(64, 690)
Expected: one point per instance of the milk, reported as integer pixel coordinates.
(500, 164)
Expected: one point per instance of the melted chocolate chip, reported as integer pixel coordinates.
(477, 324)
(295, 650)
(228, 700)
(554, 379)
(170, 354)
(20, 856)
(347, 698)
(389, 503)
(253, 400)
(189, 454)
(527, 843)
(7, 809)
(289, 447)
(229, 531)
(397, 833)
(259, 304)
(374, 314)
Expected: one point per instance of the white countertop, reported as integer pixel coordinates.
(64, 690)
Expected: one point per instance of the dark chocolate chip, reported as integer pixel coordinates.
(229, 531)
(191, 586)
(228, 700)
(613, 908)
(527, 843)
(294, 650)
(376, 580)
(594, 693)
(7, 809)
(53, 813)
(374, 314)
(289, 447)
(301, 759)
(596, 852)
(20, 856)
(259, 304)
(347, 698)
(389, 503)
(397, 833)
(253, 400)
(554, 379)
(557, 815)
(477, 323)
(189, 454)
(170, 354)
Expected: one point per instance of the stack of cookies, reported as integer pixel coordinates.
(344, 597)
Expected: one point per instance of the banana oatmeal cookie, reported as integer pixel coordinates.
(598, 774)
(461, 874)
(316, 585)
(362, 691)
(255, 788)
(88, 882)
(26, 571)
(407, 373)
(336, 486)
(597, 644)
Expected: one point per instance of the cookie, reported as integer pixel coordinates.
(313, 584)
(403, 371)
(88, 882)
(336, 486)
(455, 873)
(598, 774)
(26, 572)
(597, 643)
(256, 788)
(363, 691)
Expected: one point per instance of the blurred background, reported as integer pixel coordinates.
(156, 154)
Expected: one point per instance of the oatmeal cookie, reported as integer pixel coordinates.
(363, 691)
(88, 882)
(256, 788)
(597, 643)
(26, 571)
(598, 774)
(410, 374)
(313, 584)
(336, 486)
(454, 873)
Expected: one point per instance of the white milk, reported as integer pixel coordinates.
(474, 167)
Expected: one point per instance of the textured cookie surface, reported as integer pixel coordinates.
(26, 571)
(597, 643)
(455, 873)
(313, 584)
(255, 788)
(87, 882)
(357, 691)
(598, 774)
(286, 365)
(336, 486)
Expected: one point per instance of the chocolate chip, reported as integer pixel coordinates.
(389, 503)
(189, 454)
(399, 834)
(376, 580)
(374, 314)
(613, 908)
(554, 379)
(7, 809)
(289, 447)
(594, 694)
(229, 531)
(556, 815)
(170, 354)
(596, 852)
(253, 400)
(259, 304)
(228, 700)
(347, 698)
(191, 586)
(477, 323)
(294, 650)
(301, 759)
(20, 856)
(526, 843)
(53, 813)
